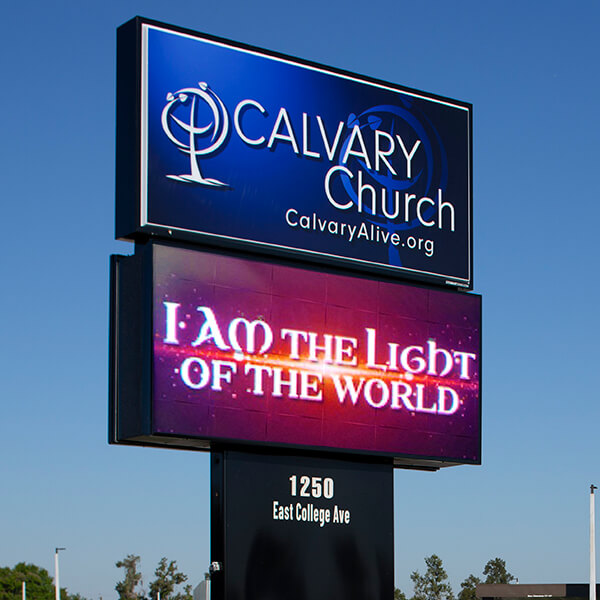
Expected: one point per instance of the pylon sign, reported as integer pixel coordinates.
(277, 207)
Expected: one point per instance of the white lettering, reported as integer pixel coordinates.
(283, 117)
(220, 375)
(171, 322)
(433, 353)
(347, 387)
(328, 187)
(250, 328)
(442, 393)
(382, 154)
(310, 386)
(291, 212)
(401, 391)
(186, 369)
(441, 206)
(279, 382)
(371, 349)
(210, 329)
(407, 155)
(238, 127)
(462, 358)
(420, 216)
(330, 148)
(295, 336)
(383, 390)
(258, 371)
(362, 153)
(305, 150)
(419, 363)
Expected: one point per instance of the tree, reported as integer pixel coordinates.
(495, 572)
(433, 585)
(39, 584)
(167, 578)
(468, 588)
(126, 588)
(398, 594)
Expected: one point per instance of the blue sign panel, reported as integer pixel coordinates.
(237, 146)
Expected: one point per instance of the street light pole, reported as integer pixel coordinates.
(56, 577)
(592, 545)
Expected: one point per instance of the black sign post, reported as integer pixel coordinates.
(300, 527)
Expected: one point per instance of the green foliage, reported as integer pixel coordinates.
(468, 588)
(495, 572)
(187, 592)
(433, 585)
(39, 585)
(127, 587)
(398, 594)
(167, 578)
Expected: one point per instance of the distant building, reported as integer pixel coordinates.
(526, 591)
(202, 590)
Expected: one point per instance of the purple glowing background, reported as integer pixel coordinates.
(280, 395)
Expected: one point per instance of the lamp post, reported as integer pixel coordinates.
(56, 577)
(592, 545)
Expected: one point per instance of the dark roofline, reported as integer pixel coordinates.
(487, 591)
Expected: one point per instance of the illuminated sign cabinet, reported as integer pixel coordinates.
(230, 145)
(216, 348)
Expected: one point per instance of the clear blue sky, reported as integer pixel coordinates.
(530, 70)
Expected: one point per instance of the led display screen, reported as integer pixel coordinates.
(234, 145)
(277, 355)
